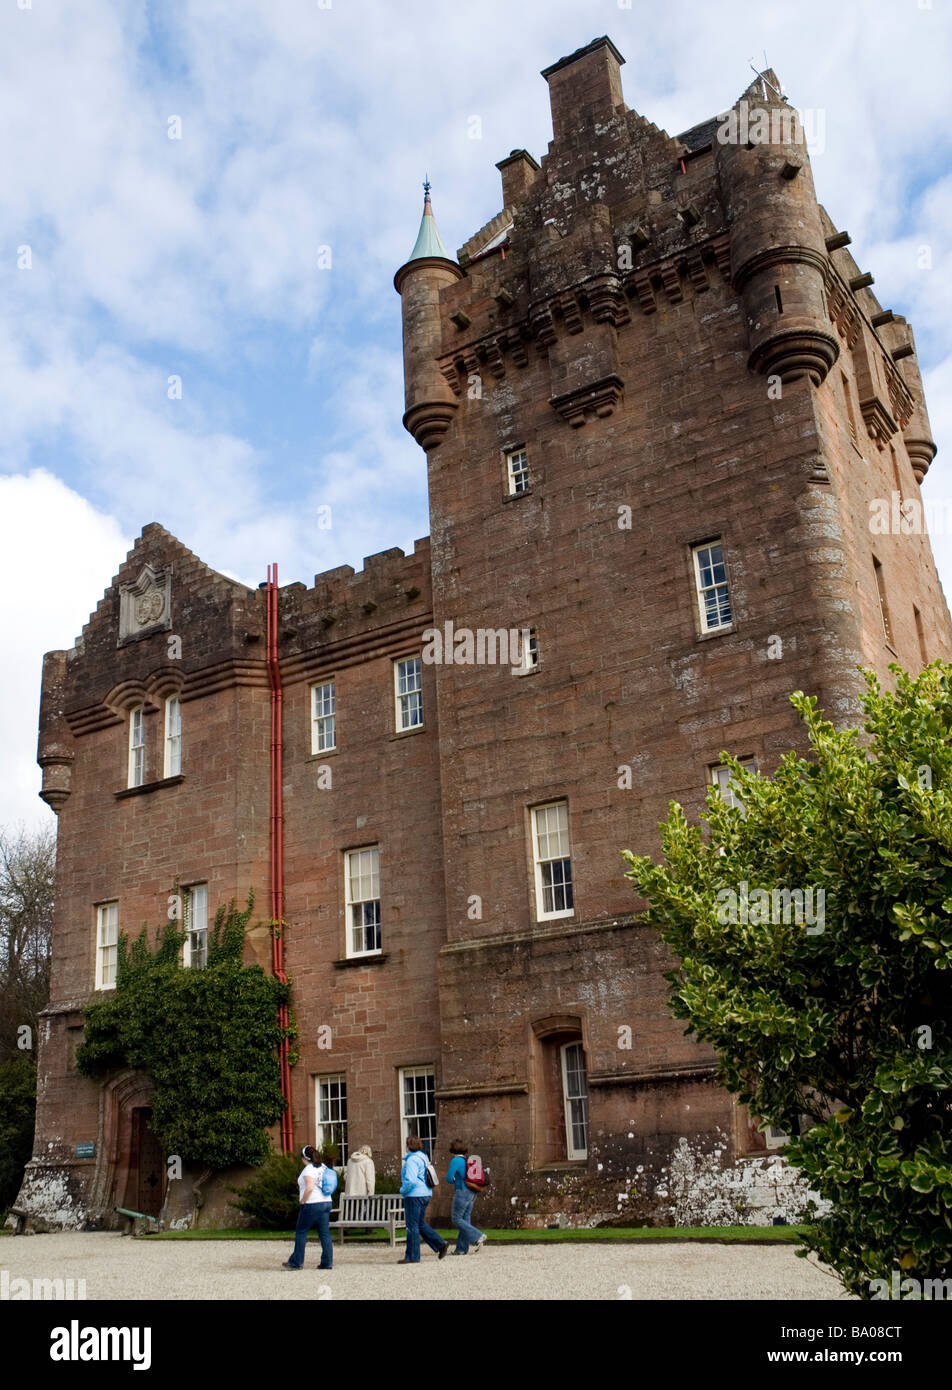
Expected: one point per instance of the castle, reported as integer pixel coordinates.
(658, 400)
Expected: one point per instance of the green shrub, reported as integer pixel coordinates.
(329, 1153)
(17, 1116)
(271, 1196)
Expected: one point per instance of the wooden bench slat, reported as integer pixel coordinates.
(376, 1209)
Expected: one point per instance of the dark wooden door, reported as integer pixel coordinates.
(150, 1183)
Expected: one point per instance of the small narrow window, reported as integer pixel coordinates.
(529, 644)
(323, 717)
(517, 471)
(553, 863)
(713, 593)
(332, 1113)
(575, 1098)
(720, 776)
(408, 689)
(362, 882)
(136, 746)
(107, 945)
(850, 414)
(173, 737)
(776, 290)
(195, 954)
(896, 473)
(418, 1107)
(921, 634)
(883, 603)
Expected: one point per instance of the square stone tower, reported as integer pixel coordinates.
(659, 403)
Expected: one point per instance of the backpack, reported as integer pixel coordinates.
(475, 1174)
(431, 1177)
(328, 1182)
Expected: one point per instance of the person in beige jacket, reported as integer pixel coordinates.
(360, 1176)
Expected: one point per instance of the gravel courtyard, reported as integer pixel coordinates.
(118, 1267)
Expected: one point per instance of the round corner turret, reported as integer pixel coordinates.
(779, 261)
(430, 401)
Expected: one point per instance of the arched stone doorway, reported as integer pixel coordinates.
(133, 1174)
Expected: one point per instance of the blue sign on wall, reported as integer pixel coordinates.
(85, 1150)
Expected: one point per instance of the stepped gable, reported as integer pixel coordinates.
(208, 611)
(348, 614)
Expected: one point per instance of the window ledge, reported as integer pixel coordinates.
(564, 1165)
(371, 958)
(318, 757)
(716, 632)
(514, 496)
(408, 733)
(149, 787)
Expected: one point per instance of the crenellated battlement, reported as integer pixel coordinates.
(347, 613)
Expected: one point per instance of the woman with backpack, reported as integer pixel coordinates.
(415, 1187)
(316, 1186)
(468, 1180)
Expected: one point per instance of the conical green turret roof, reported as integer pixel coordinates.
(428, 242)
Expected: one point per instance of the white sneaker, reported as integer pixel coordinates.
(479, 1245)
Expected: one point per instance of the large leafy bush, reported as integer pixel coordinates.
(844, 1022)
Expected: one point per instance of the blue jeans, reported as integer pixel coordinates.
(313, 1214)
(415, 1209)
(469, 1234)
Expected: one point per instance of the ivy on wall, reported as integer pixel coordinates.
(208, 1038)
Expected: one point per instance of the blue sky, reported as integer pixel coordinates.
(308, 125)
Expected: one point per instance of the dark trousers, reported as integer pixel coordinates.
(313, 1214)
(415, 1210)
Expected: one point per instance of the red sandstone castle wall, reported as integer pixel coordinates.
(651, 388)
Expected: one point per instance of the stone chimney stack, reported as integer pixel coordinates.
(585, 88)
(519, 172)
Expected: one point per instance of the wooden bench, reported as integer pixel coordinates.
(383, 1209)
(130, 1218)
(18, 1217)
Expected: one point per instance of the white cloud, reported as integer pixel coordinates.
(57, 557)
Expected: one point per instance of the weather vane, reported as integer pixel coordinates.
(763, 79)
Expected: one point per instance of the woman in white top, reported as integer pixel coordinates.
(314, 1209)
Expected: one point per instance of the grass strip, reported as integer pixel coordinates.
(721, 1235)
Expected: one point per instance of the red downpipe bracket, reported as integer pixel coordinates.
(277, 846)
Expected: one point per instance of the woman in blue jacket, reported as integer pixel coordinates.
(463, 1199)
(416, 1192)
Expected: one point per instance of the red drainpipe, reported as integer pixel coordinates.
(277, 844)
